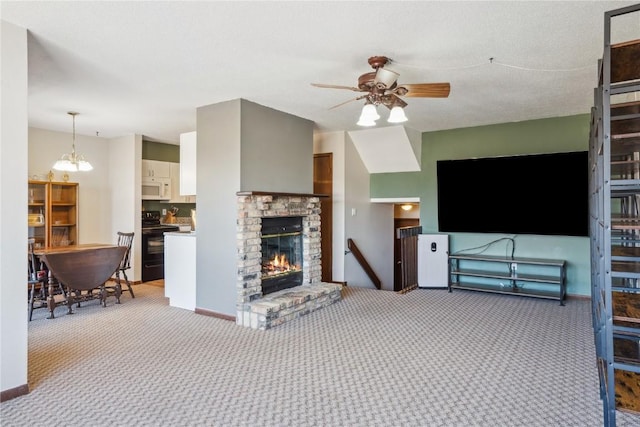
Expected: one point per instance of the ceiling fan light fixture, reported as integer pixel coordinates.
(363, 121)
(397, 115)
(386, 77)
(369, 112)
(369, 115)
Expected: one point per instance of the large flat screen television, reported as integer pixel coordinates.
(546, 194)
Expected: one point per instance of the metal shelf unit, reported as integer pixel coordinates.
(614, 191)
(532, 277)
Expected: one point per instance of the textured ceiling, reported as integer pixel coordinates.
(144, 67)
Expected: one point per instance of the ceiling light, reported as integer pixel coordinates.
(407, 207)
(397, 115)
(368, 116)
(370, 112)
(366, 122)
(73, 162)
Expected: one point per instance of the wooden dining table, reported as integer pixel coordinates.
(85, 248)
(70, 248)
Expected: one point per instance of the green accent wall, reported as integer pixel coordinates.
(160, 151)
(559, 134)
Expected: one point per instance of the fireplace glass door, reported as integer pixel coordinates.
(281, 253)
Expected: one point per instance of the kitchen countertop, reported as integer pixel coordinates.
(181, 233)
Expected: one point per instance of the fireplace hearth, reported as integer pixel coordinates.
(279, 259)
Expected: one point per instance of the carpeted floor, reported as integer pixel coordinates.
(377, 358)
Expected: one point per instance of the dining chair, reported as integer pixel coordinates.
(36, 281)
(126, 240)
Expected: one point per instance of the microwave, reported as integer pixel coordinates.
(156, 189)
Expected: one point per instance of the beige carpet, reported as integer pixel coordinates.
(377, 358)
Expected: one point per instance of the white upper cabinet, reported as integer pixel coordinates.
(156, 169)
(188, 163)
(176, 197)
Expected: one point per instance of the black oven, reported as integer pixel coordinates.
(153, 245)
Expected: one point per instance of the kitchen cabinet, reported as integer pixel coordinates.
(156, 169)
(176, 196)
(53, 213)
(188, 163)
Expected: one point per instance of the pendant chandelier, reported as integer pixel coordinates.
(73, 162)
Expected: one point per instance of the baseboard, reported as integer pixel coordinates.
(12, 393)
(338, 282)
(211, 313)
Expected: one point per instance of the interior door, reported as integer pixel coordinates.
(323, 184)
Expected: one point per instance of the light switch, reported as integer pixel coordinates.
(353, 212)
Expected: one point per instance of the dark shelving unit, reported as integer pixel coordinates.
(614, 209)
(531, 277)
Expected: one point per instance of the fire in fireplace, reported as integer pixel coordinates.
(281, 253)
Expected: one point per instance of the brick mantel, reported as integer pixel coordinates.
(267, 193)
(252, 309)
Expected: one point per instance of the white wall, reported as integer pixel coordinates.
(125, 155)
(268, 137)
(231, 136)
(109, 196)
(218, 180)
(334, 142)
(371, 228)
(94, 199)
(13, 208)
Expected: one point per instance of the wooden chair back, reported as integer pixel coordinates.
(126, 240)
(85, 270)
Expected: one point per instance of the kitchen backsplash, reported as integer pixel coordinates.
(184, 209)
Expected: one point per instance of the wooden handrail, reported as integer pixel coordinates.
(363, 263)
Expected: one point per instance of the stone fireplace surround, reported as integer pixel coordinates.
(264, 312)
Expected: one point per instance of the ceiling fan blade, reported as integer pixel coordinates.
(355, 89)
(425, 90)
(346, 102)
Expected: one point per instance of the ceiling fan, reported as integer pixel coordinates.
(380, 87)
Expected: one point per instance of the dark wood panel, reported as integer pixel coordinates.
(323, 184)
(624, 61)
(627, 390)
(397, 252)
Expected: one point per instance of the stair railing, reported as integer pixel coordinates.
(363, 263)
(408, 256)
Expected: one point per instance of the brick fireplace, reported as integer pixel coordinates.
(260, 311)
